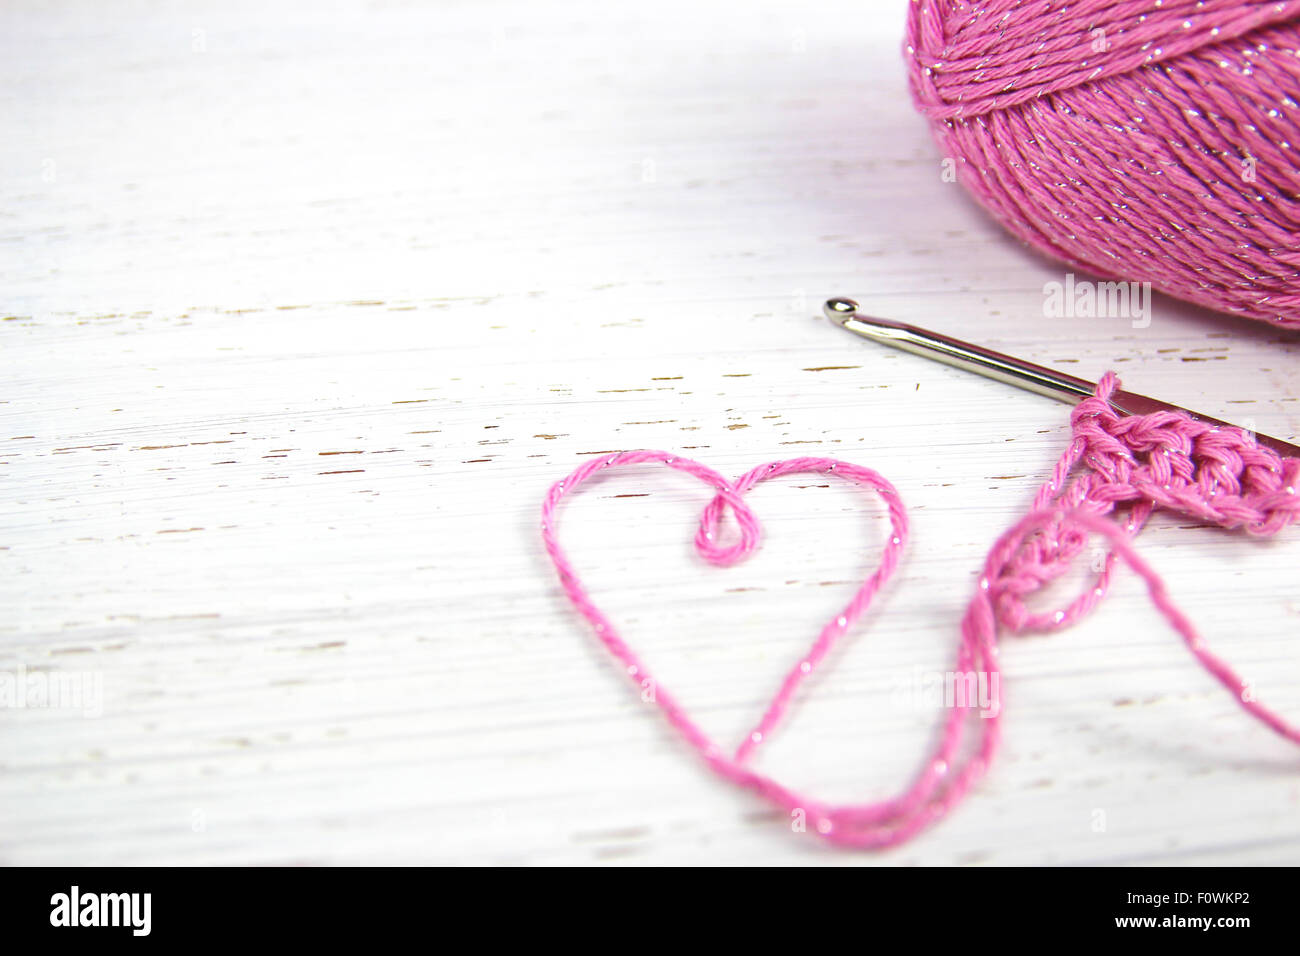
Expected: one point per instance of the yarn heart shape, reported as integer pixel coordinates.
(870, 825)
(1012, 568)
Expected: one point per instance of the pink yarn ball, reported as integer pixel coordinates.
(1143, 140)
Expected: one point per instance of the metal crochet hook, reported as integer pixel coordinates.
(1013, 371)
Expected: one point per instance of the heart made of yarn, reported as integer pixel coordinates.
(1248, 487)
(888, 822)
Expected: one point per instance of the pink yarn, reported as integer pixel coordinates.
(1165, 460)
(1145, 140)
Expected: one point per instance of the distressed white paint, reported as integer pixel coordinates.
(307, 309)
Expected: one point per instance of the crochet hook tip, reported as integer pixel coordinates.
(840, 310)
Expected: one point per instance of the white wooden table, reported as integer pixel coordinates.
(304, 312)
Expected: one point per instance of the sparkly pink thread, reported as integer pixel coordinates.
(1149, 140)
(1164, 460)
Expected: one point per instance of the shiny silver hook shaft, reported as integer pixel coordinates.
(1013, 371)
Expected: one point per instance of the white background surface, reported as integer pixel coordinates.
(307, 305)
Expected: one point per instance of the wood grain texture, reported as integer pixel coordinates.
(306, 308)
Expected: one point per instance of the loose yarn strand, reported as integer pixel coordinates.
(1165, 460)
